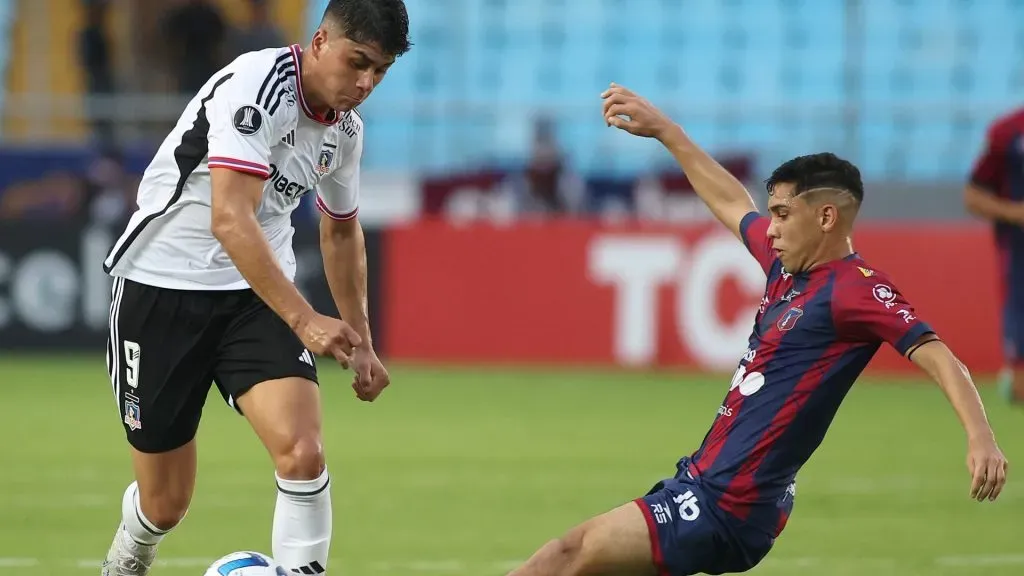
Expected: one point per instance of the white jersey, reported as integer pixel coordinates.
(251, 117)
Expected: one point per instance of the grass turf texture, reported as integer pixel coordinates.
(458, 471)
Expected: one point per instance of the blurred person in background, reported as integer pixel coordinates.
(995, 192)
(194, 33)
(94, 52)
(259, 33)
(547, 186)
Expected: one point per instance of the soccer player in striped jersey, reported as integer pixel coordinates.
(203, 279)
(995, 192)
(824, 314)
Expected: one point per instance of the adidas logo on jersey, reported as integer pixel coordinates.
(289, 139)
(306, 358)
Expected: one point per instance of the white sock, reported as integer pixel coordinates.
(302, 524)
(135, 522)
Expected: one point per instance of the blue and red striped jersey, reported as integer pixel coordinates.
(1000, 166)
(1000, 170)
(813, 334)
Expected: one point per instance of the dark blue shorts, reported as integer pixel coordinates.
(690, 535)
(1013, 331)
(1013, 307)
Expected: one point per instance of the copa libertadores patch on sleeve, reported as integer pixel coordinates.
(248, 120)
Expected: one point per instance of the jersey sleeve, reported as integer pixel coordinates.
(337, 196)
(754, 230)
(874, 310)
(241, 130)
(989, 168)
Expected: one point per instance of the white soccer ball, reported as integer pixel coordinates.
(246, 564)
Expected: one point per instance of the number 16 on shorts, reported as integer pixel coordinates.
(687, 509)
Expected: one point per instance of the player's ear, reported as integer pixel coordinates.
(828, 217)
(319, 41)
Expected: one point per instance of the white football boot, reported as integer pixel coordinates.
(127, 557)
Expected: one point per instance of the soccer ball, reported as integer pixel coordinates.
(246, 564)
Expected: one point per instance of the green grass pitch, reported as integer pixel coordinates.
(458, 471)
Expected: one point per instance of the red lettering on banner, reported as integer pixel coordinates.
(576, 292)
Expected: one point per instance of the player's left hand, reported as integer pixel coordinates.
(625, 110)
(371, 378)
(987, 466)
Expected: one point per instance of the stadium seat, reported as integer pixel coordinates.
(775, 75)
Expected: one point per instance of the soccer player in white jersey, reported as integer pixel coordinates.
(203, 279)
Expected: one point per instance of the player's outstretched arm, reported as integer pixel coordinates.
(985, 462)
(344, 252)
(235, 199)
(724, 195)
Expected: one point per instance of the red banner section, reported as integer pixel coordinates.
(632, 295)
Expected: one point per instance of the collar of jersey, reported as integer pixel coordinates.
(332, 116)
(830, 265)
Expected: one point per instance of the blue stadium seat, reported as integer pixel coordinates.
(786, 63)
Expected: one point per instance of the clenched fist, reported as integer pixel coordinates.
(326, 336)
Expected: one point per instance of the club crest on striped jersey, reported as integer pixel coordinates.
(247, 120)
(326, 159)
(788, 320)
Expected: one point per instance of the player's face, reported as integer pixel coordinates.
(347, 71)
(794, 229)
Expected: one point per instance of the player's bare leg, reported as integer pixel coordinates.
(1010, 381)
(616, 543)
(286, 416)
(152, 505)
(1014, 388)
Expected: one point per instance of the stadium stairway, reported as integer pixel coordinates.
(290, 16)
(43, 87)
(35, 71)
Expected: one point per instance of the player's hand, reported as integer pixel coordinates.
(644, 119)
(988, 467)
(371, 378)
(326, 336)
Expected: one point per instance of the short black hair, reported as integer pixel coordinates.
(381, 22)
(824, 170)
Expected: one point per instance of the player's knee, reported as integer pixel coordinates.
(570, 556)
(582, 554)
(301, 459)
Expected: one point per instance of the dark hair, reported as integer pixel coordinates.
(824, 170)
(382, 22)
